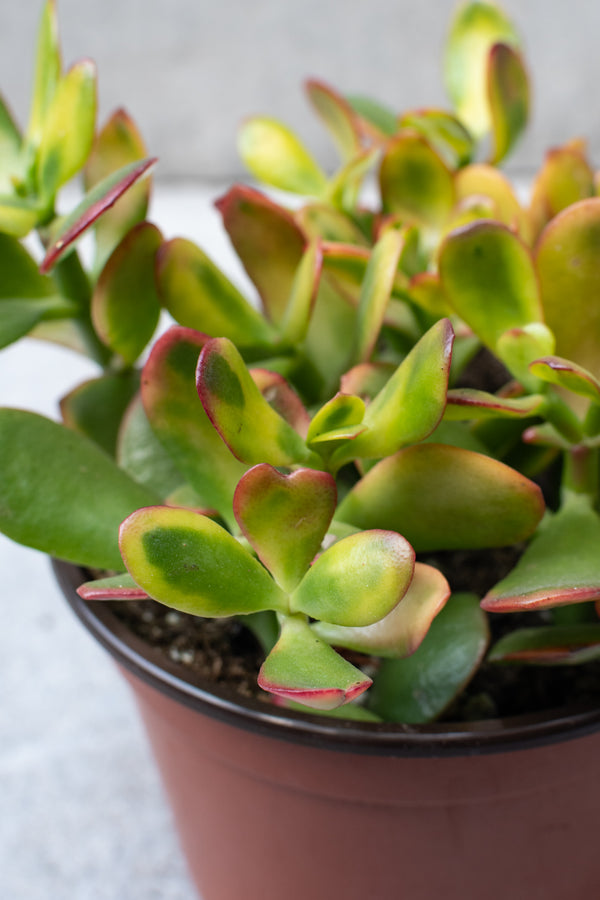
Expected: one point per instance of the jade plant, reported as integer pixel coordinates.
(418, 375)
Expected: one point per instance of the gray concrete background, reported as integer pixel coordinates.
(190, 70)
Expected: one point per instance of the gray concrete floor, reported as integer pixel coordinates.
(82, 816)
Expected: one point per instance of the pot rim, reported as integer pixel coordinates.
(432, 740)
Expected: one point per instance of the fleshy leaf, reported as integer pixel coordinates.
(319, 220)
(489, 278)
(281, 396)
(116, 587)
(467, 403)
(337, 115)
(341, 412)
(565, 178)
(66, 499)
(68, 128)
(181, 424)
(403, 629)
(47, 71)
(275, 156)
(357, 580)
(415, 182)
(553, 645)
(26, 297)
(418, 689)
(412, 402)
(102, 197)
(18, 215)
(95, 408)
(302, 668)
(10, 149)
(519, 347)
(567, 374)
(125, 304)
(426, 291)
(375, 293)
(483, 181)
(508, 93)
(249, 426)
(377, 121)
(560, 566)
(445, 498)
(118, 143)
(444, 132)
(188, 562)
(143, 456)
(198, 295)
(567, 263)
(367, 379)
(285, 518)
(296, 319)
(475, 29)
(267, 240)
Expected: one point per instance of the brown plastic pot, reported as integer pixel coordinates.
(272, 804)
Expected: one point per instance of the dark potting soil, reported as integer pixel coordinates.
(226, 653)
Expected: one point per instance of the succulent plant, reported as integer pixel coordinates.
(302, 461)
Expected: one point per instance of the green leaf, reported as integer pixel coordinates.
(339, 417)
(47, 71)
(476, 28)
(553, 645)
(68, 128)
(567, 263)
(519, 347)
(565, 178)
(375, 293)
(302, 668)
(560, 566)
(285, 518)
(60, 493)
(467, 403)
(96, 202)
(18, 216)
(412, 402)
(26, 297)
(508, 92)
(444, 132)
(567, 374)
(95, 408)
(118, 144)
(303, 295)
(479, 181)
(268, 242)
(489, 278)
(415, 183)
(337, 115)
(402, 630)
(116, 587)
(445, 498)
(419, 688)
(358, 580)
(375, 116)
(319, 220)
(249, 426)
(11, 162)
(125, 304)
(181, 424)
(198, 295)
(275, 156)
(143, 456)
(188, 562)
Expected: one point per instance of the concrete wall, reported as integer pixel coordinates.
(190, 70)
